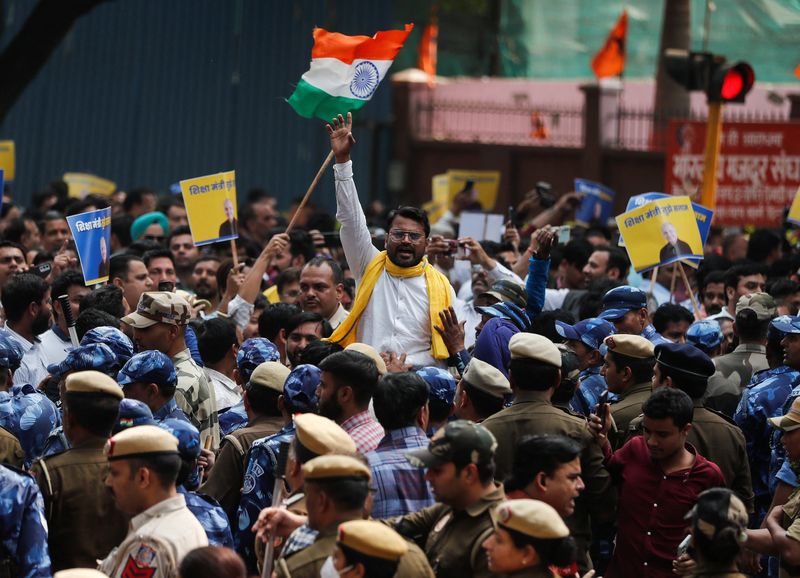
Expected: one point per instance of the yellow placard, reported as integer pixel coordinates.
(8, 159)
(211, 207)
(440, 191)
(82, 184)
(485, 184)
(794, 210)
(660, 232)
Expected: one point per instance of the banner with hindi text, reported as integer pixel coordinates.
(211, 207)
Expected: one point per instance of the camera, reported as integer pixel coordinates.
(546, 198)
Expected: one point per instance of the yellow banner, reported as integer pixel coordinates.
(660, 232)
(485, 185)
(211, 207)
(794, 210)
(83, 184)
(8, 159)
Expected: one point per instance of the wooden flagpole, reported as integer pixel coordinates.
(695, 305)
(311, 188)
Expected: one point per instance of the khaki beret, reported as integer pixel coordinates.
(335, 466)
(372, 539)
(271, 375)
(487, 378)
(634, 346)
(370, 352)
(80, 573)
(141, 440)
(321, 435)
(532, 518)
(537, 347)
(93, 382)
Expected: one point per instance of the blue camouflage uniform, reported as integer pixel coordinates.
(705, 334)
(590, 332)
(620, 300)
(252, 353)
(441, 387)
(153, 367)
(115, 339)
(299, 390)
(205, 508)
(132, 413)
(23, 530)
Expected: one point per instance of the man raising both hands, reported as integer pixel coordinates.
(399, 293)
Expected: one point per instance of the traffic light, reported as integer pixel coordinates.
(720, 80)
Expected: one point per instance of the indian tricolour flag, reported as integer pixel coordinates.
(345, 71)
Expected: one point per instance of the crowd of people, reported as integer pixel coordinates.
(390, 399)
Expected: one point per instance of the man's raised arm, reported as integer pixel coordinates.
(356, 240)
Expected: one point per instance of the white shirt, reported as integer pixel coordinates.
(465, 311)
(492, 275)
(338, 316)
(23, 343)
(397, 317)
(226, 391)
(48, 350)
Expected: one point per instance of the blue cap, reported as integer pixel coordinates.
(786, 324)
(148, 367)
(253, 353)
(116, 340)
(10, 352)
(705, 333)
(591, 332)
(686, 358)
(618, 301)
(188, 436)
(132, 412)
(300, 388)
(95, 356)
(508, 311)
(441, 383)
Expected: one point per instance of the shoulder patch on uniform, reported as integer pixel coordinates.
(134, 570)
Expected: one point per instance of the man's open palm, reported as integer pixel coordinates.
(341, 133)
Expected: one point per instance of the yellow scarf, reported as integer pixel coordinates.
(438, 299)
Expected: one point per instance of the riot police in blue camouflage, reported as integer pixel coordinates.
(626, 308)
(115, 339)
(706, 335)
(441, 395)
(252, 353)
(586, 340)
(23, 530)
(205, 508)
(299, 391)
(84, 523)
(764, 398)
(132, 413)
(159, 323)
(150, 377)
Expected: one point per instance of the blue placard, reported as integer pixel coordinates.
(597, 204)
(92, 234)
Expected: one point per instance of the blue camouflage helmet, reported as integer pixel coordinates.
(30, 416)
(253, 353)
(441, 384)
(95, 356)
(10, 352)
(618, 301)
(148, 367)
(188, 437)
(591, 332)
(116, 340)
(132, 413)
(781, 326)
(705, 333)
(509, 312)
(300, 388)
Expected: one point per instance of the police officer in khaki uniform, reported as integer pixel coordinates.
(83, 522)
(337, 488)
(534, 373)
(143, 464)
(262, 397)
(366, 548)
(713, 434)
(11, 452)
(628, 371)
(570, 378)
(481, 391)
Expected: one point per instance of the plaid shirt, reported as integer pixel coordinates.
(401, 487)
(301, 538)
(365, 431)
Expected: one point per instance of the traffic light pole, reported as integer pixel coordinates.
(708, 195)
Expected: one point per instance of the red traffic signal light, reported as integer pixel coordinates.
(730, 82)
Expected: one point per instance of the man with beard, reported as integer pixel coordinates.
(346, 384)
(321, 289)
(399, 293)
(302, 329)
(184, 254)
(204, 279)
(28, 307)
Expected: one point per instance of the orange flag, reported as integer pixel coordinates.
(427, 47)
(610, 60)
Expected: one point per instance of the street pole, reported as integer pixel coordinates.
(708, 195)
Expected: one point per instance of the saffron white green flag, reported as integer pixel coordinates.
(345, 71)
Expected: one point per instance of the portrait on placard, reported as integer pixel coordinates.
(211, 207)
(92, 234)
